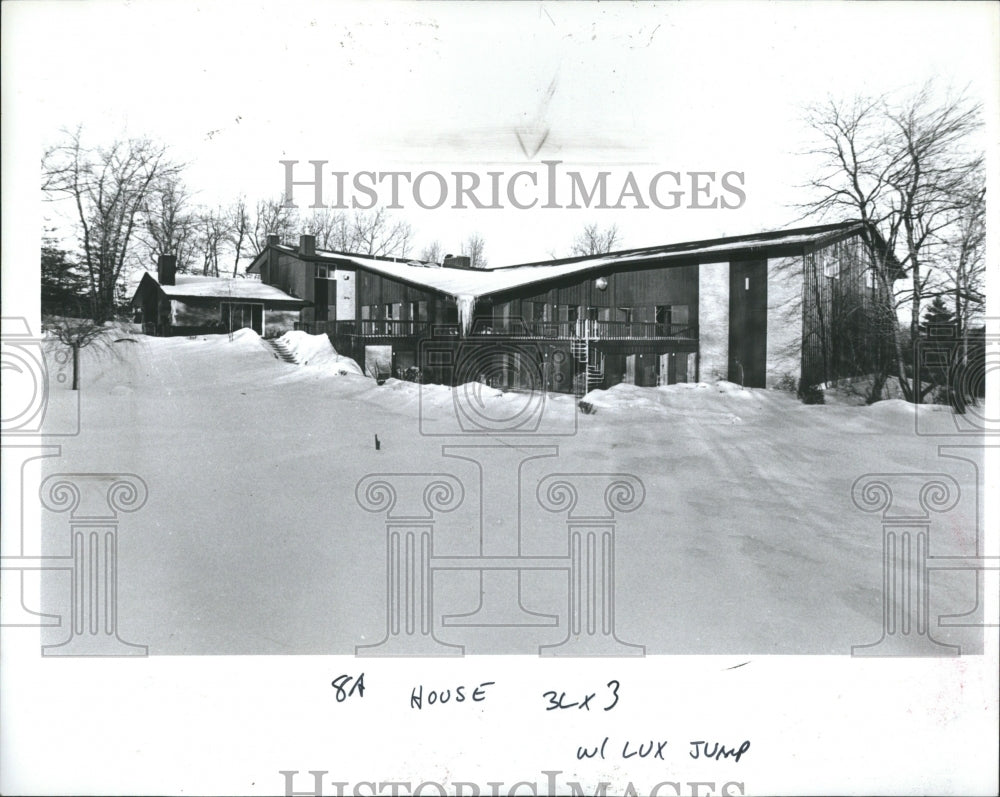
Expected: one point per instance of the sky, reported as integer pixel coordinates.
(623, 88)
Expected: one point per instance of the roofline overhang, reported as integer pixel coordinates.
(667, 256)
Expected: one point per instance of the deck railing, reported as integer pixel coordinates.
(369, 328)
(593, 330)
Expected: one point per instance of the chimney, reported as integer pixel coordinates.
(166, 269)
(307, 245)
(273, 240)
(457, 261)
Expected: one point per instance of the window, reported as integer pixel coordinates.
(624, 314)
(239, 315)
(831, 265)
(501, 315)
(418, 311)
(321, 272)
(671, 319)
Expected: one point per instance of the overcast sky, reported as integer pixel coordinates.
(234, 88)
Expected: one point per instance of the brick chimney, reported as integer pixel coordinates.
(307, 245)
(166, 269)
(273, 240)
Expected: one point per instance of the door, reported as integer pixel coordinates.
(748, 322)
(240, 315)
(629, 378)
(320, 306)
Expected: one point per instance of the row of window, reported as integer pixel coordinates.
(395, 311)
(672, 314)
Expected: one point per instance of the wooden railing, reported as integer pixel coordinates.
(593, 330)
(377, 328)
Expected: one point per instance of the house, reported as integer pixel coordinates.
(753, 309)
(186, 304)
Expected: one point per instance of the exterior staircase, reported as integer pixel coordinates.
(591, 371)
(281, 352)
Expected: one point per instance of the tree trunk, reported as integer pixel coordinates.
(76, 365)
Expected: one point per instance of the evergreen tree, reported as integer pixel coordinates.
(64, 286)
(939, 321)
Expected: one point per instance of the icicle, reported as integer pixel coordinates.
(466, 303)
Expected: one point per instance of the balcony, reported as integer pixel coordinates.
(593, 330)
(378, 328)
(528, 330)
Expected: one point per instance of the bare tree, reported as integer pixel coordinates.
(333, 230)
(213, 226)
(273, 218)
(899, 168)
(475, 249)
(930, 179)
(432, 253)
(170, 223)
(238, 229)
(110, 188)
(78, 333)
(377, 233)
(962, 266)
(595, 241)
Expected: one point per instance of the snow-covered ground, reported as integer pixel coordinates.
(252, 540)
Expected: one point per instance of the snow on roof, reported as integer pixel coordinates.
(472, 283)
(194, 286)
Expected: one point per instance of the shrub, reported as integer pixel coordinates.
(786, 383)
(811, 394)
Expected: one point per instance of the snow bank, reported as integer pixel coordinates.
(721, 402)
(317, 351)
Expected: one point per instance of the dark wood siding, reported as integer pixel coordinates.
(642, 289)
(376, 289)
(748, 322)
(839, 333)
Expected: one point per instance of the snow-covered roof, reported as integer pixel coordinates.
(473, 283)
(192, 286)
